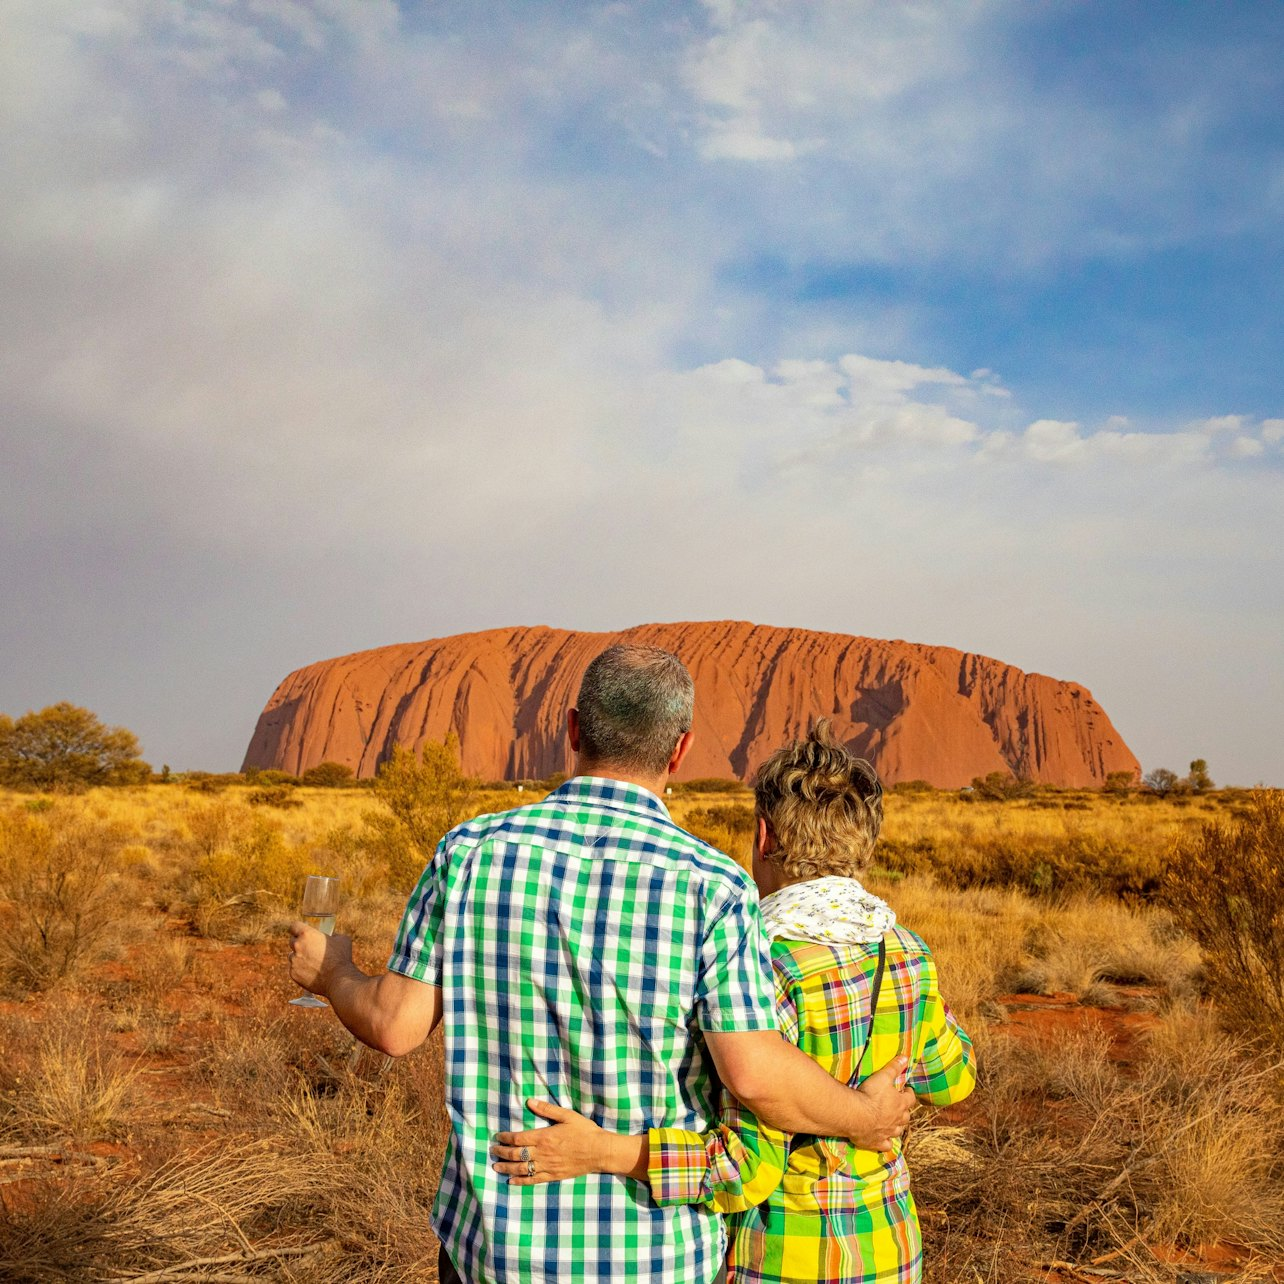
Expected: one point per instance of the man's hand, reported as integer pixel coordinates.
(315, 958)
(890, 1106)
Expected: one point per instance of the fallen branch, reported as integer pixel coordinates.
(181, 1269)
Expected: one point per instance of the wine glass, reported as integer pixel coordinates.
(320, 905)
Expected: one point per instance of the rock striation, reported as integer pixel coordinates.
(917, 712)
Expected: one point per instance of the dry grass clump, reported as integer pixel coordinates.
(70, 1086)
(1227, 889)
(326, 1177)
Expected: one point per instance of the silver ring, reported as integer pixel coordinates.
(530, 1167)
(526, 1154)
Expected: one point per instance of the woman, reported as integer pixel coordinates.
(853, 990)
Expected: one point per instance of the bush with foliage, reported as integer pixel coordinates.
(66, 748)
(423, 795)
(1119, 782)
(57, 871)
(1001, 786)
(246, 866)
(1226, 888)
(1199, 780)
(329, 775)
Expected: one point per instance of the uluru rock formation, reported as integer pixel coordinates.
(917, 712)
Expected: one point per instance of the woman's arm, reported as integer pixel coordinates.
(731, 1167)
(945, 1069)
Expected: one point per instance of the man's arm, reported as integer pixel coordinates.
(787, 1090)
(391, 1012)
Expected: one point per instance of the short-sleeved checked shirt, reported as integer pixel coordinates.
(815, 1208)
(582, 944)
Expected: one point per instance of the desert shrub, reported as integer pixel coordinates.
(710, 785)
(58, 892)
(1226, 888)
(281, 796)
(423, 796)
(74, 1087)
(1000, 786)
(1119, 782)
(329, 775)
(913, 787)
(270, 777)
(210, 782)
(65, 747)
(728, 827)
(253, 869)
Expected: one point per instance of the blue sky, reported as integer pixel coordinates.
(334, 324)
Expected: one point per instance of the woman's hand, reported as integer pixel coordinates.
(572, 1147)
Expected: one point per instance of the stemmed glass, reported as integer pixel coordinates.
(320, 905)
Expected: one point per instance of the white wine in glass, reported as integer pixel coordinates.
(320, 906)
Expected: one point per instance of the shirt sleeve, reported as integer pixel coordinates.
(731, 1167)
(734, 991)
(417, 952)
(945, 1068)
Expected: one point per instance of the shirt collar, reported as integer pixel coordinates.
(604, 791)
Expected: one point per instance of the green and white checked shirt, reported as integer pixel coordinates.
(581, 944)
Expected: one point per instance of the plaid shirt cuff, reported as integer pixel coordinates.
(678, 1166)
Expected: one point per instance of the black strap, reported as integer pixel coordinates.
(802, 1139)
(873, 1004)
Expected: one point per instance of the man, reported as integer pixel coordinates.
(585, 950)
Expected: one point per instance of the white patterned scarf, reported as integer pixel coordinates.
(830, 911)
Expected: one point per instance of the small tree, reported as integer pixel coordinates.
(1119, 782)
(329, 775)
(423, 795)
(1226, 888)
(1161, 781)
(1199, 779)
(65, 747)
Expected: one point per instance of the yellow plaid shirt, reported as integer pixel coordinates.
(804, 1209)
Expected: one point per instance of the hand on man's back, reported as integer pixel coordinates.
(890, 1106)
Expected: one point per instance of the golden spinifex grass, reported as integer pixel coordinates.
(165, 1115)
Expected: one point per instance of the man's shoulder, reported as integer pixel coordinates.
(558, 820)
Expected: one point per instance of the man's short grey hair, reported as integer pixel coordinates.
(635, 703)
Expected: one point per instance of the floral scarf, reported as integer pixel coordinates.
(829, 911)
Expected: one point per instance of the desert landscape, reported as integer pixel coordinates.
(166, 1115)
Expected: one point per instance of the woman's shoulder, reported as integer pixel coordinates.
(906, 943)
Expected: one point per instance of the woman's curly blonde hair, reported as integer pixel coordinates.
(823, 804)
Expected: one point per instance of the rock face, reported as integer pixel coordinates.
(916, 712)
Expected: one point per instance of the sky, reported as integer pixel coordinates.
(336, 324)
